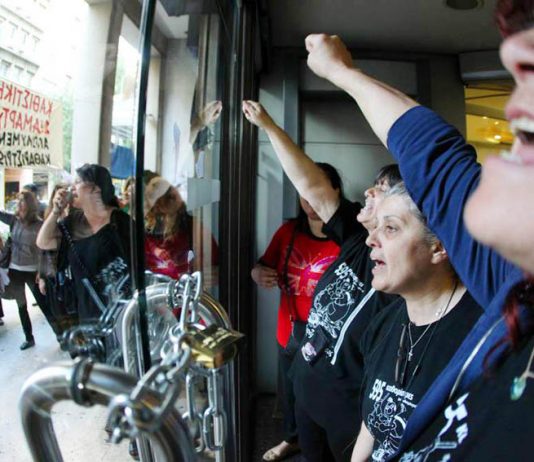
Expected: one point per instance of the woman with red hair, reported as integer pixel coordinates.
(480, 407)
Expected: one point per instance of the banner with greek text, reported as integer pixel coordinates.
(31, 128)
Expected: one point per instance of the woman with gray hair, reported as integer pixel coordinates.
(409, 343)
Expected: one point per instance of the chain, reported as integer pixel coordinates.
(128, 415)
(214, 419)
(192, 416)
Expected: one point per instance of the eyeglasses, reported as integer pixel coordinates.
(401, 365)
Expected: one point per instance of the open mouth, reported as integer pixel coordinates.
(523, 129)
(523, 149)
(378, 263)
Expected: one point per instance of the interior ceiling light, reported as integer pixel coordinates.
(464, 4)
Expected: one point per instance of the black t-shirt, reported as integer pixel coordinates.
(484, 424)
(386, 403)
(102, 258)
(343, 304)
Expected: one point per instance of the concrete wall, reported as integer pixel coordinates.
(88, 86)
(447, 91)
(334, 131)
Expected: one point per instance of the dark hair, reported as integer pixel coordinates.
(390, 173)
(522, 294)
(99, 176)
(302, 220)
(514, 16)
(149, 175)
(32, 187)
(333, 175)
(32, 207)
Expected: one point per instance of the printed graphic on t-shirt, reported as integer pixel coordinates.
(453, 433)
(331, 307)
(391, 409)
(305, 270)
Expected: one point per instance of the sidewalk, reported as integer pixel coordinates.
(80, 431)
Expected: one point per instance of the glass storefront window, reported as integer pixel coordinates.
(182, 145)
(82, 77)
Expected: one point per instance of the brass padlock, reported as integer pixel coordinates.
(212, 346)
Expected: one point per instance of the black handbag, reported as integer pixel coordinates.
(5, 254)
(65, 294)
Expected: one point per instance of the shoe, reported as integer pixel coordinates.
(281, 451)
(27, 344)
(1, 322)
(132, 450)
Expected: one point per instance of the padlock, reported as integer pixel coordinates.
(212, 346)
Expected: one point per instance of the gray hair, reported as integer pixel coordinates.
(400, 190)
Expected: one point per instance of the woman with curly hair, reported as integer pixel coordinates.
(170, 247)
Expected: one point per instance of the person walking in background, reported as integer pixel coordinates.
(24, 226)
(295, 259)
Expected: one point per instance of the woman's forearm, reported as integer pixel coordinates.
(47, 239)
(7, 218)
(364, 446)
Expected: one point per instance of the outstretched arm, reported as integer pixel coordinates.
(437, 165)
(310, 181)
(381, 104)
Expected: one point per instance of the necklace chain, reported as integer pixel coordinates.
(412, 343)
(440, 313)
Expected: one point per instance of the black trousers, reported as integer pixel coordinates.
(332, 443)
(15, 290)
(287, 396)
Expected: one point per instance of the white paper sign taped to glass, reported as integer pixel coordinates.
(31, 132)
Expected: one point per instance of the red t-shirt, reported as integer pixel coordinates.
(175, 256)
(310, 257)
(171, 257)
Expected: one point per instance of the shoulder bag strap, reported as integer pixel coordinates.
(292, 309)
(70, 242)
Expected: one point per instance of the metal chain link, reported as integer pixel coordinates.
(214, 419)
(128, 414)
